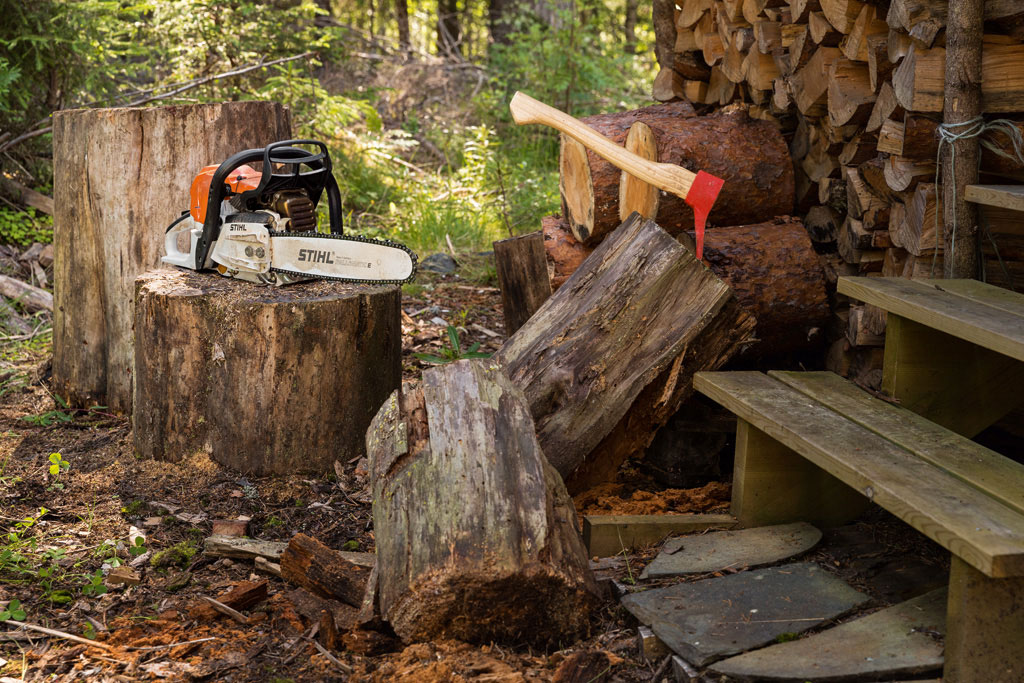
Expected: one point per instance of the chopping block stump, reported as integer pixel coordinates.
(266, 380)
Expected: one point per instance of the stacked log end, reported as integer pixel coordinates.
(857, 88)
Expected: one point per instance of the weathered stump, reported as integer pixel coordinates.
(619, 341)
(522, 269)
(120, 177)
(476, 535)
(267, 380)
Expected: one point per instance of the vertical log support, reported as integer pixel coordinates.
(522, 267)
(961, 103)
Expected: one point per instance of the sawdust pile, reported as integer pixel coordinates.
(616, 499)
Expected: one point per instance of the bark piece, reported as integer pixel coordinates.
(476, 535)
(308, 563)
(750, 155)
(120, 177)
(521, 265)
(267, 380)
(640, 295)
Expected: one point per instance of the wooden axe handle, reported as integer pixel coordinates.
(666, 177)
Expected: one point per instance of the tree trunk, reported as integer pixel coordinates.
(476, 536)
(500, 15)
(962, 103)
(402, 19)
(120, 177)
(625, 316)
(266, 380)
(663, 16)
(750, 155)
(629, 28)
(522, 271)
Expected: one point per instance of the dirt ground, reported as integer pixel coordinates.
(69, 533)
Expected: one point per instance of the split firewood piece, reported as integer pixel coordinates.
(842, 14)
(640, 295)
(919, 80)
(308, 563)
(750, 155)
(635, 194)
(476, 536)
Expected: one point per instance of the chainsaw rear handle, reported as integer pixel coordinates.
(315, 181)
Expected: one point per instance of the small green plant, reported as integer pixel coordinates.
(134, 508)
(58, 466)
(273, 521)
(350, 546)
(25, 227)
(89, 631)
(63, 413)
(13, 612)
(453, 351)
(138, 547)
(94, 586)
(179, 555)
(786, 637)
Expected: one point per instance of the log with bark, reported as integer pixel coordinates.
(120, 177)
(522, 269)
(750, 155)
(323, 571)
(266, 380)
(476, 536)
(639, 296)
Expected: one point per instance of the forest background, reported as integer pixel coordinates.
(410, 95)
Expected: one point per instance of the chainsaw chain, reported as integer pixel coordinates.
(347, 238)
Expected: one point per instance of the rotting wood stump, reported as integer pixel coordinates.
(749, 154)
(120, 177)
(615, 347)
(522, 270)
(476, 536)
(266, 380)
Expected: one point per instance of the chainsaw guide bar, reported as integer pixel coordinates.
(274, 235)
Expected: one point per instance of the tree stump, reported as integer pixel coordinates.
(619, 341)
(266, 380)
(120, 177)
(476, 536)
(522, 269)
(750, 155)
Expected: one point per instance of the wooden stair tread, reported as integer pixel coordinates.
(984, 317)
(1003, 196)
(983, 531)
(985, 470)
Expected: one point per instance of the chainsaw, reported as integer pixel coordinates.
(262, 226)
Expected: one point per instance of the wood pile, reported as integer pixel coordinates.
(857, 89)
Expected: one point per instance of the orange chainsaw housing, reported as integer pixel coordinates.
(242, 179)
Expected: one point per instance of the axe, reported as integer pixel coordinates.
(699, 189)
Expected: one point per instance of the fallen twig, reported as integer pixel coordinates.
(337, 662)
(227, 611)
(58, 634)
(170, 645)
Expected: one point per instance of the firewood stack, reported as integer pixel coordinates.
(857, 88)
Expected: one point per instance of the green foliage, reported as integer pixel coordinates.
(453, 351)
(22, 228)
(13, 612)
(94, 586)
(138, 547)
(63, 413)
(350, 546)
(58, 466)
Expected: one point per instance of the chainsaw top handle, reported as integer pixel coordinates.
(317, 178)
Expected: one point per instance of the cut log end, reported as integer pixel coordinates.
(635, 194)
(577, 188)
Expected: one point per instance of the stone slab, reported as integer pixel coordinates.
(720, 550)
(707, 620)
(901, 640)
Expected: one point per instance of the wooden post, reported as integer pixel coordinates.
(961, 103)
(522, 269)
(476, 536)
(774, 485)
(120, 177)
(984, 627)
(266, 380)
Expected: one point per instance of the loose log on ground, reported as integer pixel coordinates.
(266, 380)
(31, 298)
(308, 563)
(522, 270)
(639, 296)
(476, 536)
(120, 177)
(750, 155)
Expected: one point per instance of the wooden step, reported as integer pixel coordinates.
(974, 525)
(1004, 196)
(981, 314)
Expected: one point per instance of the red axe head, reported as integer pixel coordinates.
(701, 197)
